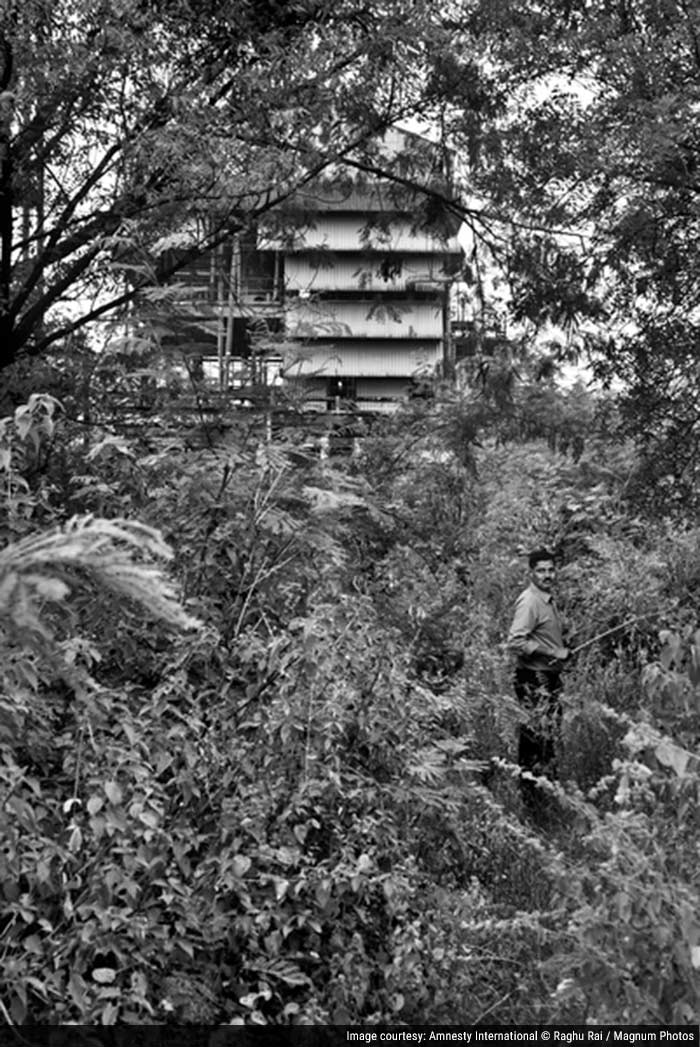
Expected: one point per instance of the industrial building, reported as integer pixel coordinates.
(346, 298)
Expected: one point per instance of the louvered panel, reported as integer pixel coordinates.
(396, 320)
(356, 272)
(385, 198)
(350, 233)
(381, 362)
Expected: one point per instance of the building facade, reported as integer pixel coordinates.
(366, 299)
(346, 299)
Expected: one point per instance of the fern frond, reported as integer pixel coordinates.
(119, 555)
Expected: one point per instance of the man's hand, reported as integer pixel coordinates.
(561, 654)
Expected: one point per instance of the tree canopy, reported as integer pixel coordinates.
(124, 128)
(574, 125)
(594, 161)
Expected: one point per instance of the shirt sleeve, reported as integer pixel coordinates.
(524, 623)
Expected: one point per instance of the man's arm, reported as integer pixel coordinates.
(520, 638)
(524, 622)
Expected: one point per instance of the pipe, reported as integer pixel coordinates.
(610, 632)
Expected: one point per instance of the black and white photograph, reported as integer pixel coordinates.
(349, 523)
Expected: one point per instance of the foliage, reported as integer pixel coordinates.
(589, 175)
(576, 123)
(305, 809)
(132, 140)
(257, 750)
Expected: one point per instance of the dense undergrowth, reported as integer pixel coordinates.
(291, 796)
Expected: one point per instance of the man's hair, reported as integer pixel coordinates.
(538, 556)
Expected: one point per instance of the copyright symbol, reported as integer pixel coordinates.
(545, 1034)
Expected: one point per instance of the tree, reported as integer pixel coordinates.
(159, 123)
(596, 164)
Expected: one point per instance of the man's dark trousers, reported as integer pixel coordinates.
(538, 691)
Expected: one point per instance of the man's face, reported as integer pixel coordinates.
(543, 575)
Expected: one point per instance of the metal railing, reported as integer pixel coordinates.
(262, 289)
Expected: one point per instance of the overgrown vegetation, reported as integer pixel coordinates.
(256, 722)
(292, 797)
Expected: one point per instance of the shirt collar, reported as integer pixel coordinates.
(547, 597)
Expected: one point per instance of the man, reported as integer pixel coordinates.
(536, 638)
